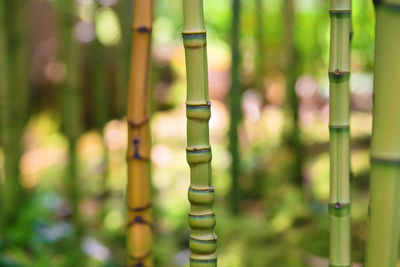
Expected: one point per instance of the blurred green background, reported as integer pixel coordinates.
(283, 217)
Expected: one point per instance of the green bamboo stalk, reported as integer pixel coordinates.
(18, 49)
(14, 100)
(99, 77)
(382, 243)
(291, 105)
(203, 240)
(5, 109)
(260, 50)
(339, 128)
(139, 196)
(101, 99)
(71, 97)
(125, 11)
(235, 108)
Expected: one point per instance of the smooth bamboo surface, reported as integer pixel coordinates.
(339, 128)
(382, 243)
(139, 199)
(203, 240)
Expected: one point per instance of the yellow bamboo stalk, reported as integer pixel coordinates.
(140, 219)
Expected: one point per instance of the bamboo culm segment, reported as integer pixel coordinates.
(139, 198)
(382, 242)
(203, 241)
(339, 117)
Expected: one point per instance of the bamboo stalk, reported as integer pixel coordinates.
(291, 105)
(125, 11)
(101, 100)
(139, 200)
(5, 109)
(235, 108)
(382, 243)
(259, 59)
(71, 99)
(13, 104)
(339, 118)
(203, 240)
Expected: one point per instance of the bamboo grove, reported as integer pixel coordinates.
(339, 128)
(139, 201)
(279, 158)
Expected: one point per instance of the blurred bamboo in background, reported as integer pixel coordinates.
(235, 108)
(71, 99)
(139, 199)
(14, 99)
(291, 135)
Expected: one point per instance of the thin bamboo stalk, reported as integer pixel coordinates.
(382, 243)
(5, 109)
(291, 128)
(259, 58)
(235, 109)
(339, 126)
(71, 99)
(139, 200)
(125, 11)
(101, 100)
(14, 100)
(203, 240)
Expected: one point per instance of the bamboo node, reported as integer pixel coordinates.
(142, 208)
(339, 209)
(339, 74)
(140, 220)
(387, 161)
(387, 4)
(135, 125)
(143, 29)
(140, 258)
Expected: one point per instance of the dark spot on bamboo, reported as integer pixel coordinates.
(140, 220)
(337, 205)
(144, 29)
(211, 188)
(136, 153)
(338, 73)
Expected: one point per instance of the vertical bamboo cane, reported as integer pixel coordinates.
(203, 241)
(339, 117)
(125, 11)
(235, 109)
(5, 100)
(140, 219)
(259, 63)
(14, 100)
(291, 105)
(71, 97)
(382, 243)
